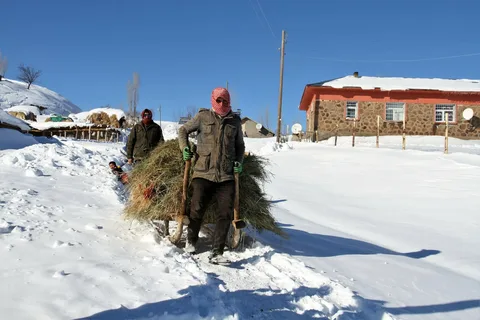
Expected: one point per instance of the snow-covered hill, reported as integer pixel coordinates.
(15, 93)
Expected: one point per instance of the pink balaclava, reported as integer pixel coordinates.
(222, 108)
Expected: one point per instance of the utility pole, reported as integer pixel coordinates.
(227, 85)
(279, 120)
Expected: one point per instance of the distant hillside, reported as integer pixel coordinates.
(14, 93)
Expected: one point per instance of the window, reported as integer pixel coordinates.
(352, 110)
(395, 111)
(441, 110)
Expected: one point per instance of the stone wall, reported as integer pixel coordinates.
(328, 117)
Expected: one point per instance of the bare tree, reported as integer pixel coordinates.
(3, 66)
(267, 118)
(28, 74)
(132, 95)
(187, 112)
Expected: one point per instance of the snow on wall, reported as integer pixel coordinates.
(15, 93)
(387, 83)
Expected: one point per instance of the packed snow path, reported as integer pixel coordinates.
(67, 254)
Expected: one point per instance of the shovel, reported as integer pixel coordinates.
(237, 223)
(181, 217)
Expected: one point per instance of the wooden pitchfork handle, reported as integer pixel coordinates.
(181, 215)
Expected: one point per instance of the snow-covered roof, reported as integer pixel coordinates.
(25, 109)
(63, 124)
(13, 121)
(14, 93)
(391, 83)
(82, 116)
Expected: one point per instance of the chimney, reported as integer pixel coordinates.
(355, 74)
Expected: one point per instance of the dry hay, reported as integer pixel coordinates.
(24, 116)
(103, 118)
(99, 118)
(114, 121)
(163, 170)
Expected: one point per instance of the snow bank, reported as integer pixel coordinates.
(13, 139)
(15, 93)
(169, 129)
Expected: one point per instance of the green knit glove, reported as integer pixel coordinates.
(187, 154)
(237, 167)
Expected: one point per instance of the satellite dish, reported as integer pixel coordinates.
(296, 128)
(259, 126)
(467, 114)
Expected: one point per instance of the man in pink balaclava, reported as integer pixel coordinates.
(219, 154)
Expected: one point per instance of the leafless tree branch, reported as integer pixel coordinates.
(28, 74)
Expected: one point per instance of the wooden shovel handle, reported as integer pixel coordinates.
(186, 173)
(236, 206)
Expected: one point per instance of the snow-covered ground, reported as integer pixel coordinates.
(374, 234)
(15, 93)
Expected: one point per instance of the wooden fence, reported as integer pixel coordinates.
(94, 133)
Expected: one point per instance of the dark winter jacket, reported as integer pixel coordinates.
(219, 144)
(143, 139)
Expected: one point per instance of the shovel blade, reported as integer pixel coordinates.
(239, 224)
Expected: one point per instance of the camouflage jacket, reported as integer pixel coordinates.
(219, 144)
(143, 139)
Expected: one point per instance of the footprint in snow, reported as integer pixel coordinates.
(60, 274)
(92, 226)
(59, 244)
(27, 192)
(33, 172)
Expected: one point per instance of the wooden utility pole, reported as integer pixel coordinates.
(279, 120)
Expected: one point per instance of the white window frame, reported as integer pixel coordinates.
(443, 108)
(351, 105)
(397, 111)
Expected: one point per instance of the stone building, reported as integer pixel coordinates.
(363, 103)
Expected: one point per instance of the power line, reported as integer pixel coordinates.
(388, 60)
(264, 16)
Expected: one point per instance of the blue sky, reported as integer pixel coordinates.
(182, 49)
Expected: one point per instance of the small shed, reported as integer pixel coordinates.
(253, 129)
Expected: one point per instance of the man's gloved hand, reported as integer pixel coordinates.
(187, 154)
(237, 167)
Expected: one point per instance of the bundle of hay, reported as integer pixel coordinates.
(99, 118)
(163, 171)
(114, 121)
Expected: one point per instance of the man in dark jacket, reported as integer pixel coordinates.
(220, 150)
(143, 138)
